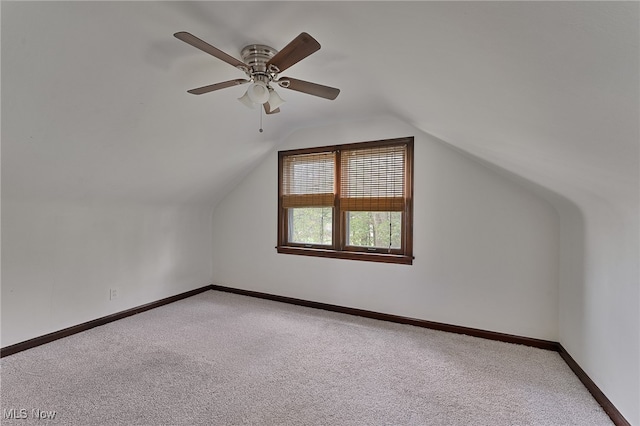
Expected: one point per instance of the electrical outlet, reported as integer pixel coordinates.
(114, 293)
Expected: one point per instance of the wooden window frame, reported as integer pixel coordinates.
(339, 249)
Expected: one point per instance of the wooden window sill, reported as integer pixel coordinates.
(350, 255)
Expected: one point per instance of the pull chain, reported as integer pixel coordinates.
(261, 119)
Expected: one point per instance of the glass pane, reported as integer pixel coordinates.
(311, 225)
(374, 229)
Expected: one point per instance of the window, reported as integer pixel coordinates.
(350, 201)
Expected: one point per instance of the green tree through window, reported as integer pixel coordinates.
(375, 229)
(311, 225)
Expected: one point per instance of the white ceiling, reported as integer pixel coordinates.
(94, 101)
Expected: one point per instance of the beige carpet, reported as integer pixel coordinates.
(224, 359)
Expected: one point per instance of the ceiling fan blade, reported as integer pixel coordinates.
(206, 47)
(311, 88)
(218, 86)
(267, 109)
(298, 49)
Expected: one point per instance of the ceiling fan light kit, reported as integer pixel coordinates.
(274, 99)
(258, 92)
(262, 65)
(247, 101)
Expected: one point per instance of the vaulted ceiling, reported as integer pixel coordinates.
(94, 101)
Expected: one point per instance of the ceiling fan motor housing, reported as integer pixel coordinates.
(257, 56)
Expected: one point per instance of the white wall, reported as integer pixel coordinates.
(599, 297)
(486, 249)
(59, 260)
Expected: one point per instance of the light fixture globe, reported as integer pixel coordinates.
(246, 101)
(274, 99)
(258, 92)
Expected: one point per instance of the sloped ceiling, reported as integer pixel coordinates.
(94, 101)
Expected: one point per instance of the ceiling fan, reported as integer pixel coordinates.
(262, 65)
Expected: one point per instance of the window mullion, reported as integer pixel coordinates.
(338, 221)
